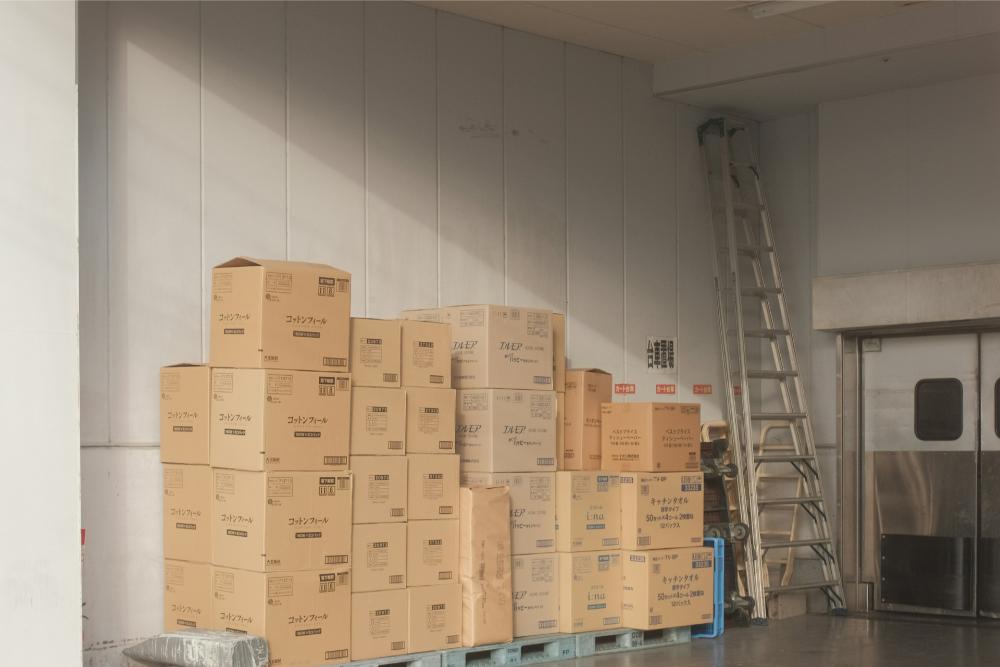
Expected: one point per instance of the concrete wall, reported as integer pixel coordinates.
(439, 159)
(39, 398)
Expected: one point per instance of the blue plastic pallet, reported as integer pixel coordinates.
(524, 651)
(430, 659)
(717, 626)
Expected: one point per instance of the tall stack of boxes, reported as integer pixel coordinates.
(257, 535)
(506, 422)
(667, 578)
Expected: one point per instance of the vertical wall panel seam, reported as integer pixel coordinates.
(364, 113)
(503, 154)
(565, 96)
(201, 170)
(107, 213)
(437, 156)
(678, 110)
(288, 213)
(621, 147)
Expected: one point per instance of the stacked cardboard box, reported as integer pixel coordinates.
(257, 536)
(666, 572)
(506, 416)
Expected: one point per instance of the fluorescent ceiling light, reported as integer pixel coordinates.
(763, 10)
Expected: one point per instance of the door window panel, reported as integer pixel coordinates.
(937, 414)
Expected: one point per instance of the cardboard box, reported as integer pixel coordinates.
(506, 430)
(379, 488)
(275, 314)
(586, 390)
(375, 352)
(532, 507)
(379, 624)
(426, 354)
(187, 512)
(430, 420)
(378, 421)
(281, 521)
(559, 351)
(484, 565)
(379, 556)
(662, 510)
(590, 591)
(588, 511)
(650, 437)
(535, 583)
(432, 486)
(560, 428)
(497, 346)
(670, 588)
(280, 420)
(431, 552)
(187, 595)
(435, 614)
(300, 613)
(185, 409)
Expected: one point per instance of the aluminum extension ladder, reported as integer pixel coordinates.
(764, 392)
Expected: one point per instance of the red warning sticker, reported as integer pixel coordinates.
(624, 388)
(702, 389)
(666, 389)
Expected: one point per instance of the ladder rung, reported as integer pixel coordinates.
(750, 249)
(770, 375)
(789, 544)
(764, 333)
(743, 165)
(777, 416)
(760, 291)
(784, 478)
(802, 587)
(783, 458)
(799, 500)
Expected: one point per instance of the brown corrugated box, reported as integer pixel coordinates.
(379, 488)
(535, 584)
(484, 565)
(670, 588)
(375, 352)
(586, 390)
(506, 430)
(187, 595)
(651, 437)
(432, 486)
(379, 561)
(431, 552)
(426, 354)
(379, 624)
(187, 512)
(590, 591)
(435, 616)
(532, 507)
(281, 521)
(560, 428)
(277, 314)
(588, 511)
(301, 614)
(662, 510)
(280, 420)
(430, 420)
(185, 409)
(378, 421)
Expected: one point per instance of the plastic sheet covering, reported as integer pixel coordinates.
(201, 648)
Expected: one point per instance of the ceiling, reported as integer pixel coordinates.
(661, 31)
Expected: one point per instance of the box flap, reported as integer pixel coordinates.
(279, 264)
(185, 365)
(588, 370)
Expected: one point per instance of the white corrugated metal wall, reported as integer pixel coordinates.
(439, 159)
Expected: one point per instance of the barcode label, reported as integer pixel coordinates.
(336, 655)
(451, 639)
(546, 461)
(390, 377)
(656, 620)
(395, 444)
(613, 620)
(546, 624)
(328, 390)
(444, 575)
(396, 579)
(446, 444)
(398, 646)
(334, 460)
(446, 509)
(335, 362)
(397, 511)
(327, 586)
(340, 559)
(644, 541)
(542, 379)
(437, 379)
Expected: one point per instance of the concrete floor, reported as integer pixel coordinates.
(826, 641)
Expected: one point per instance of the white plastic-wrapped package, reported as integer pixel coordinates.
(201, 648)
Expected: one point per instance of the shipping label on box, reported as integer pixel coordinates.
(590, 591)
(187, 595)
(281, 521)
(435, 616)
(651, 437)
(379, 556)
(185, 413)
(586, 390)
(426, 354)
(280, 420)
(187, 512)
(300, 613)
(431, 552)
(379, 624)
(432, 486)
(662, 510)
(276, 314)
(380, 488)
(532, 507)
(559, 351)
(378, 422)
(670, 588)
(535, 584)
(588, 511)
(430, 420)
(506, 430)
(375, 352)
(484, 565)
